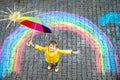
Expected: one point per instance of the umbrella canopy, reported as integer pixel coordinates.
(35, 23)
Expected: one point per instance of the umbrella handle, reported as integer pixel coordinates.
(32, 35)
(28, 44)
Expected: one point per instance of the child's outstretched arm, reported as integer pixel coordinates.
(69, 51)
(37, 47)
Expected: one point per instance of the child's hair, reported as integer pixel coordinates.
(53, 42)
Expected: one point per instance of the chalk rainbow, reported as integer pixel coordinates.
(105, 55)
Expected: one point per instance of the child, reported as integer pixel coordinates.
(52, 53)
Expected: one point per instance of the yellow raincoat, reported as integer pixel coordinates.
(54, 56)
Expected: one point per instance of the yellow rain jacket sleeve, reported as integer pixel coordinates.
(65, 51)
(38, 47)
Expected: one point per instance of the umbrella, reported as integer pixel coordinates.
(35, 23)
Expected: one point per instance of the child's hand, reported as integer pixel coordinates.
(30, 43)
(76, 52)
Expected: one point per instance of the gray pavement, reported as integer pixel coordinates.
(72, 67)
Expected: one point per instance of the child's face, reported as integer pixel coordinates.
(52, 47)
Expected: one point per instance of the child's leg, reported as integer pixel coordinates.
(56, 64)
(56, 67)
(49, 66)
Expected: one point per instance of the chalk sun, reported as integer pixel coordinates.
(13, 15)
